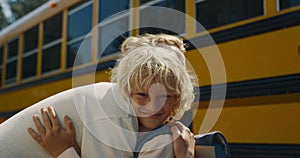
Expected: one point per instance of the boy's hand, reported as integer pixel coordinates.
(52, 137)
(183, 141)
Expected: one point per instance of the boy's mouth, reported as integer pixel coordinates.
(154, 116)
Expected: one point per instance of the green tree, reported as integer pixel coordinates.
(23, 7)
(3, 20)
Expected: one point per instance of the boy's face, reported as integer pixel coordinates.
(153, 106)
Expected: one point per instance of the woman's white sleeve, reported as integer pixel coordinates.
(69, 153)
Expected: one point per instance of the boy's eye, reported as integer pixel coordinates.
(165, 96)
(142, 94)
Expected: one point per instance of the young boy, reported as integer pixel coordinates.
(157, 85)
(150, 86)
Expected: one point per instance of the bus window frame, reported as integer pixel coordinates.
(46, 46)
(13, 80)
(30, 53)
(25, 55)
(50, 44)
(80, 37)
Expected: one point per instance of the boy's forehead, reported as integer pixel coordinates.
(153, 86)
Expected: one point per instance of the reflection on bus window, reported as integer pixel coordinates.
(11, 62)
(112, 35)
(284, 4)
(106, 9)
(52, 28)
(80, 50)
(80, 21)
(159, 18)
(215, 13)
(30, 53)
(51, 58)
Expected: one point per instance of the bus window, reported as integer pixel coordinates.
(11, 62)
(1, 61)
(160, 19)
(79, 25)
(29, 65)
(52, 29)
(30, 53)
(51, 44)
(105, 9)
(80, 21)
(215, 13)
(82, 55)
(112, 35)
(31, 39)
(13, 49)
(1, 55)
(51, 58)
(113, 31)
(284, 4)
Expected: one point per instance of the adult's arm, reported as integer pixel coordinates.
(97, 118)
(15, 142)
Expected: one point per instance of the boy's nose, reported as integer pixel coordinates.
(155, 105)
(157, 100)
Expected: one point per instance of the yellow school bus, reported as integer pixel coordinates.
(258, 40)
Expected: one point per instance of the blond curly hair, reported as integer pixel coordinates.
(158, 58)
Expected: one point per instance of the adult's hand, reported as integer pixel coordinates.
(51, 136)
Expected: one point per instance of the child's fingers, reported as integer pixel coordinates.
(175, 132)
(35, 136)
(38, 125)
(179, 126)
(178, 129)
(69, 125)
(53, 118)
(46, 120)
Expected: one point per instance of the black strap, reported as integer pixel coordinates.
(215, 139)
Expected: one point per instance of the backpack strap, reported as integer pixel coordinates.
(215, 139)
(163, 129)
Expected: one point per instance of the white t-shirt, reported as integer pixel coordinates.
(154, 148)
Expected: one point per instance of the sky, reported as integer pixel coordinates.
(7, 11)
